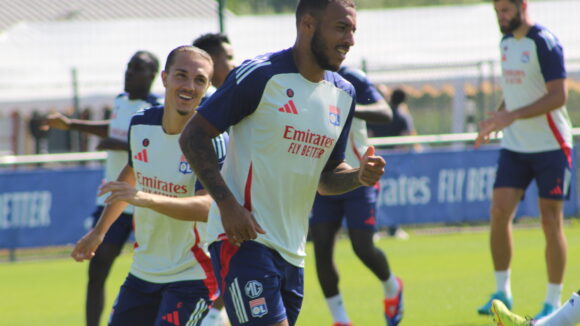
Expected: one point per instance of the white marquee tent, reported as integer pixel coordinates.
(36, 59)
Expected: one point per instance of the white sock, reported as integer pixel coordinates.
(502, 282)
(336, 306)
(391, 287)
(554, 294)
(213, 318)
(568, 315)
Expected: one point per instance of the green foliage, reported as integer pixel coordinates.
(446, 277)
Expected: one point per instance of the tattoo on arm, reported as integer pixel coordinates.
(197, 148)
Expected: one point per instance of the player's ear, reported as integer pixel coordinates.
(164, 78)
(308, 23)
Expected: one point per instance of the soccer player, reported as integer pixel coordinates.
(220, 49)
(139, 75)
(171, 279)
(567, 315)
(290, 117)
(218, 46)
(358, 206)
(537, 144)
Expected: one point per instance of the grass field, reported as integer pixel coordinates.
(446, 275)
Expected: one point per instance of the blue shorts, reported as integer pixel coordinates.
(119, 231)
(551, 171)
(144, 303)
(358, 206)
(259, 287)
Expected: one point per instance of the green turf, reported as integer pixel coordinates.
(447, 276)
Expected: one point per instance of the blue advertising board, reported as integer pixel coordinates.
(53, 207)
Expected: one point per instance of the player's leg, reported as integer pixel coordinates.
(184, 303)
(553, 177)
(100, 265)
(361, 220)
(137, 303)
(251, 280)
(325, 222)
(567, 315)
(512, 178)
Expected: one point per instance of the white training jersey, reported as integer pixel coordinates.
(366, 94)
(123, 110)
(166, 249)
(284, 130)
(527, 65)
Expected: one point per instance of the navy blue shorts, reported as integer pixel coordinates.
(119, 231)
(358, 206)
(144, 303)
(551, 171)
(259, 286)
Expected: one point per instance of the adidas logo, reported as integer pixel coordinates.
(556, 191)
(289, 107)
(172, 318)
(141, 156)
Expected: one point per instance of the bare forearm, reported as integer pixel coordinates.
(113, 144)
(194, 208)
(338, 181)
(376, 113)
(110, 214)
(97, 128)
(542, 106)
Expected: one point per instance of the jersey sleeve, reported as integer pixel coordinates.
(220, 145)
(550, 56)
(338, 153)
(237, 98)
(366, 93)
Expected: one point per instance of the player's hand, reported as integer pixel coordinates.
(122, 191)
(58, 121)
(239, 223)
(85, 248)
(496, 122)
(372, 167)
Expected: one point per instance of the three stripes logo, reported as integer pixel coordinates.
(289, 107)
(172, 318)
(142, 156)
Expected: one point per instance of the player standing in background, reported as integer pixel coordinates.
(358, 206)
(289, 119)
(171, 279)
(537, 144)
(139, 75)
(218, 46)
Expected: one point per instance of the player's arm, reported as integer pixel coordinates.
(197, 147)
(378, 112)
(192, 208)
(112, 144)
(85, 248)
(59, 121)
(338, 177)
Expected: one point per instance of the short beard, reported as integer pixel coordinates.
(513, 24)
(317, 47)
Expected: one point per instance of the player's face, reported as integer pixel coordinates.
(509, 16)
(334, 35)
(139, 75)
(223, 63)
(186, 82)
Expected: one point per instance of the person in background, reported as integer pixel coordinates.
(139, 76)
(536, 145)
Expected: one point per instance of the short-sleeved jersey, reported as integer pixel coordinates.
(167, 250)
(284, 130)
(527, 65)
(366, 93)
(123, 110)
